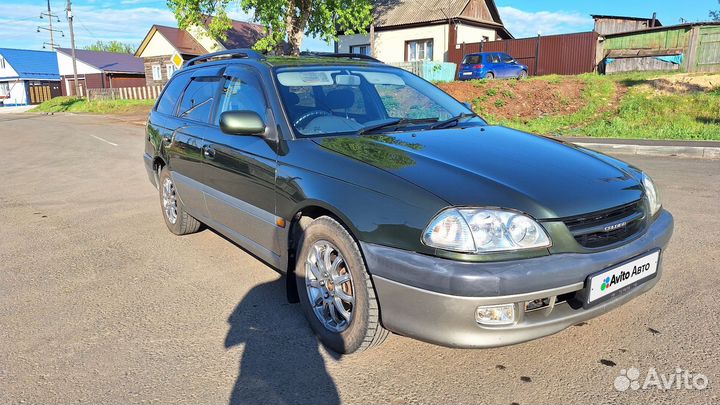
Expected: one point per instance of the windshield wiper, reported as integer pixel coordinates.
(394, 122)
(456, 119)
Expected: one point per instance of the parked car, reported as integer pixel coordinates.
(393, 207)
(491, 65)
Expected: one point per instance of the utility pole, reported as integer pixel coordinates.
(50, 16)
(68, 9)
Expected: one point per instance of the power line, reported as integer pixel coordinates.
(50, 17)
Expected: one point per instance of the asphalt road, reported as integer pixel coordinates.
(100, 303)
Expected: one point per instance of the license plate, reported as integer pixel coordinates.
(467, 73)
(610, 281)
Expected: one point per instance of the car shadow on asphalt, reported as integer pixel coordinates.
(281, 361)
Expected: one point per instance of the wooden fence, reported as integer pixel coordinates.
(125, 93)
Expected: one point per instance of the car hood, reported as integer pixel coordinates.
(497, 167)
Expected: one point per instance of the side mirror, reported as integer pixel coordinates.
(241, 123)
(468, 105)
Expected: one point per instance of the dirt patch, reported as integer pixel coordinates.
(524, 100)
(680, 84)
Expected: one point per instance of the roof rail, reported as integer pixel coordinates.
(228, 54)
(340, 55)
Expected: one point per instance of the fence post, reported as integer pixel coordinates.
(537, 55)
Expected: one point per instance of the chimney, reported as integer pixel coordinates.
(654, 20)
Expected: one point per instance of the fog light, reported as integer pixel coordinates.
(495, 314)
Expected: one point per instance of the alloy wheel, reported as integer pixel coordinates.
(169, 200)
(329, 286)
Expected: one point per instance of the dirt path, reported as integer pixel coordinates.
(524, 100)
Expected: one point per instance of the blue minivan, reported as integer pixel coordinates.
(491, 65)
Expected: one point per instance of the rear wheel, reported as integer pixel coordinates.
(176, 218)
(335, 290)
(489, 76)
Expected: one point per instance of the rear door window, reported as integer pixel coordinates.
(494, 58)
(172, 92)
(197, 100)
(472, 60)
(505, 58)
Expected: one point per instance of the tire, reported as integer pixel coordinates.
(489, 76)
(523, 75)
(325, 237)
(182, 223)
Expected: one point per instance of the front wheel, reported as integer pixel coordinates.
(335, 289)
(523, 75)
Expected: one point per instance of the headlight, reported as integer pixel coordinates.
(479, 230)
(652, 194)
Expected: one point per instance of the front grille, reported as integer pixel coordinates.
(607, 227)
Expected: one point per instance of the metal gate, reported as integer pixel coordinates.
(43, 91)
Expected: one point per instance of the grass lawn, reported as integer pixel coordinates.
(637, 105)
(78, 105)
(640, 113)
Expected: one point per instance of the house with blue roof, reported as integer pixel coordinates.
(28, 77)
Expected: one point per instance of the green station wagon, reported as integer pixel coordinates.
(393, 207)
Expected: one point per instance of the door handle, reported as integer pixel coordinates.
(208, 152)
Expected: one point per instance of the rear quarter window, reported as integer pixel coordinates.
(172, 93)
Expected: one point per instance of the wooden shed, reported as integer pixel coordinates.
(693, 47)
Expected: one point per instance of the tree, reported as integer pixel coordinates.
(715, 14)
(284, 20)
(111, 46)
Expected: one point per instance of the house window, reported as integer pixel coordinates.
(419, 50)
(360, 49)
(4, 89)
(157, 72)
(170, 69)
(2, 62)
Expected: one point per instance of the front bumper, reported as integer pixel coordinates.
(435, 300)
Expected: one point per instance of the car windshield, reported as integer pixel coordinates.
(340, 100)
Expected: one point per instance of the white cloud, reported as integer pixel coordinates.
(92, 23)
(100, 21)
(527, 24)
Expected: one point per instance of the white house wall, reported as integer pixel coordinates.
(65, 66)
(346, 41)
(157, 46)
(201, 36)
(390, 45)
(17, 92)
(8, 70)
(470, 34)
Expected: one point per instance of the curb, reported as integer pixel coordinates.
(695, 152)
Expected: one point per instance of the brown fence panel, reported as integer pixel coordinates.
(566, 54)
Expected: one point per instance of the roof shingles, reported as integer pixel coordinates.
(108, 61)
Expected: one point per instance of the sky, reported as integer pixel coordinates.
(129, 20)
